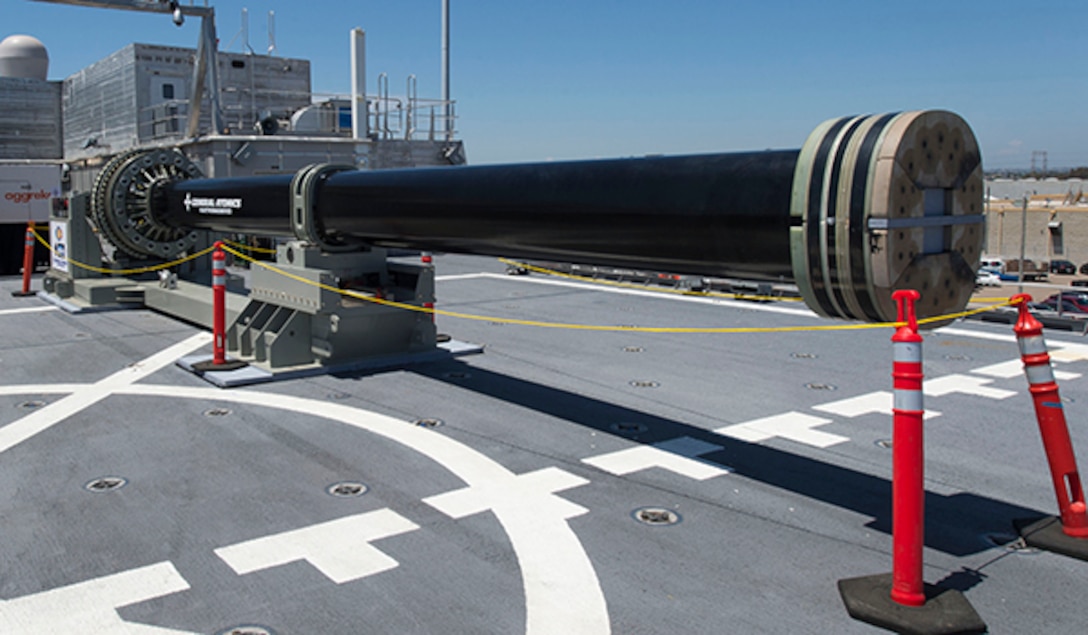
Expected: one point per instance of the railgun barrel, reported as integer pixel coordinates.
(722, 214)
(868, 205)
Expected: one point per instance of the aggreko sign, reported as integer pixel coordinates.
(26, 197)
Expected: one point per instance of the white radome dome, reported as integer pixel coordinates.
(23, 56)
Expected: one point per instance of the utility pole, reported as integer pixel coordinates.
(446, 69)
(1041, 155)
(1023, 239)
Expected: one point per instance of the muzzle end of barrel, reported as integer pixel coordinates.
(888, 202)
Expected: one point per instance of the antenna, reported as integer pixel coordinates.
(271, 32)
(244, 32)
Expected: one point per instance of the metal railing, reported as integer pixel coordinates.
(388, 116)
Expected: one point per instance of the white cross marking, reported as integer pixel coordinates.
(878, 402)
(795, 426)
(534, 490)
(676, 455)
(964, 384)
(340, 548)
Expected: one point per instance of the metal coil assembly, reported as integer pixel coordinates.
(122, 203)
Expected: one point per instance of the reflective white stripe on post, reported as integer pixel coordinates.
(909, 400)
(907, 352)
(1039, 374)
(1032, 345)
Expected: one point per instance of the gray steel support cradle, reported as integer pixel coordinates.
(292, 320)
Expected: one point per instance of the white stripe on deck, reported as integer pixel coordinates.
(91, 606)
(562, 592)
(649, 293)
(678, 455)
(29, 309)
(88, 394)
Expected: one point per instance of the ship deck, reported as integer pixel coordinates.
(509, 491)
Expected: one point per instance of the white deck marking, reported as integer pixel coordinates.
(675, 455)
(29, 309)
(869, 403)
(530, 491)
(562, 592)
(340, 548)
(87, 394)
(876, 402)
(461, 276)
(795, 426)
(1015, 368)
(963, 384)
(649, 293)
(980, 335)
(528, 510)
(41, 389)
(1076, 350)
(91, 606)
(1069, 353)
(1002, 370)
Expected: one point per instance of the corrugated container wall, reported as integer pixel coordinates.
(140, 95)
(30, 121)
(100, 106)
(256, 83)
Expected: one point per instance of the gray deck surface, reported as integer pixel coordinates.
(516, 514)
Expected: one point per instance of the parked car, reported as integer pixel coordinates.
(1052, 305)
(996, 265)
(1078, 299)
(987, 279)
(1062, 266)
(1084, 268)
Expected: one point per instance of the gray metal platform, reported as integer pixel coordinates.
(517, 511)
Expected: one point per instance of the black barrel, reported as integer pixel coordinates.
(868, 205)
(720, 214)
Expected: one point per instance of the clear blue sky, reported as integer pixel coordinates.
(563, 79)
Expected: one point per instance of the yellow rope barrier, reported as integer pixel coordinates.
(259, 250)
(535, 323)
(596, 327)
(125, 272)
(629, 285)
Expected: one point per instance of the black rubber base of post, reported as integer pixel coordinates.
(20, 294)
(1046, 534)
(203, 367)
(945, 612)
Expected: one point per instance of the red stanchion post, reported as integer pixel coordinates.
(1052, 424)
(28, 256)
(219, 305)
(908, 456)
(426, 259)
(901, 601)
(28, 261)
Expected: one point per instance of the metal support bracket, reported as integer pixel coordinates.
(304, 207)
